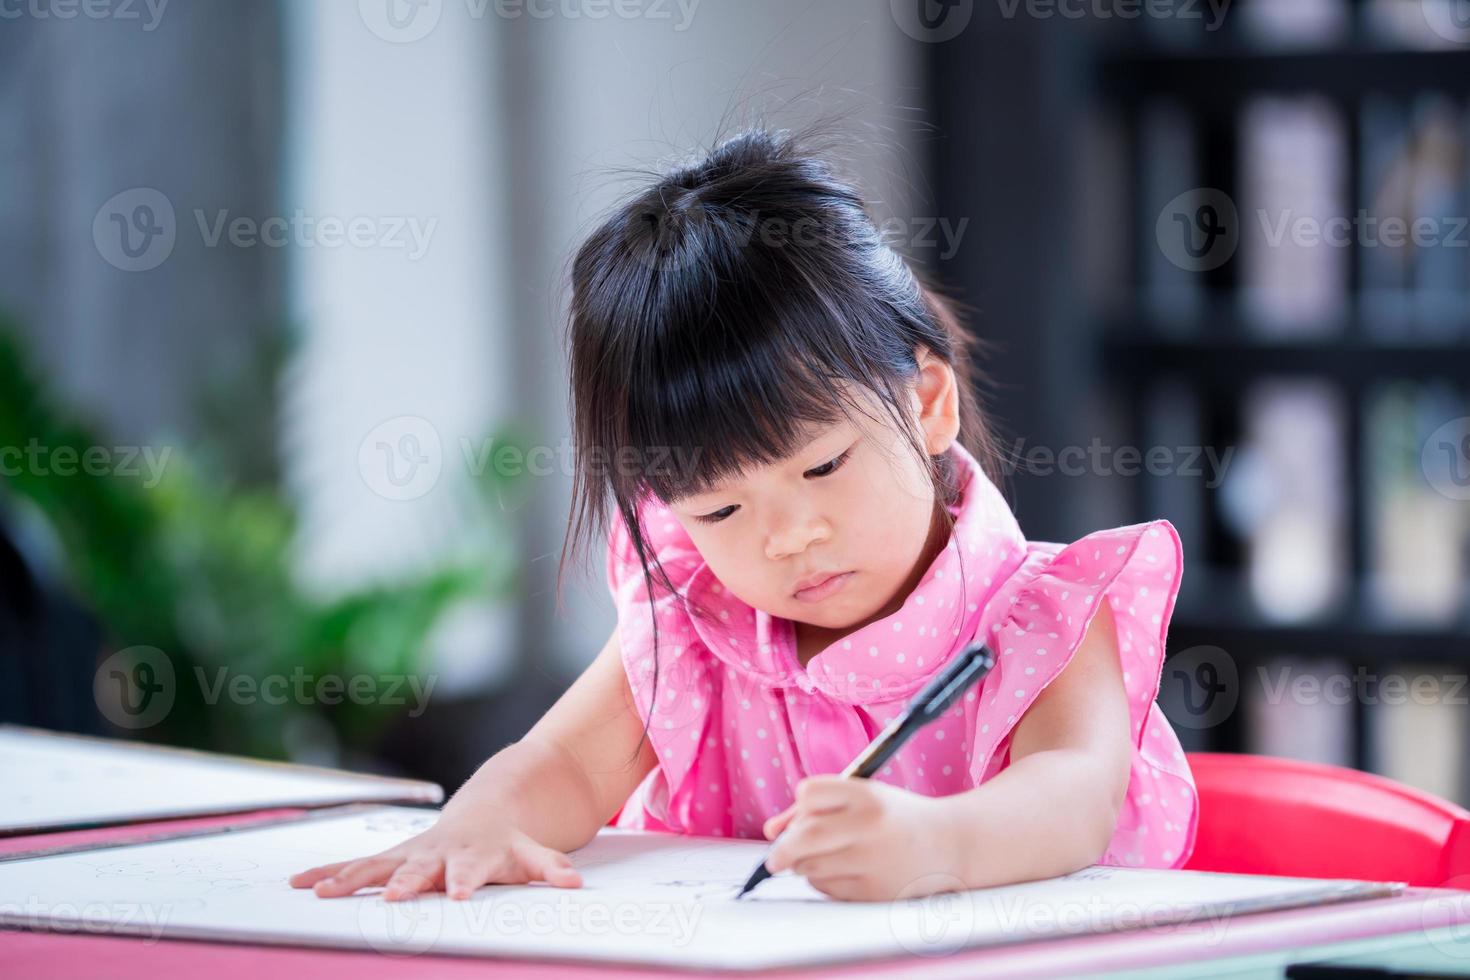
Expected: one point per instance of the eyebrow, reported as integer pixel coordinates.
(717, 488)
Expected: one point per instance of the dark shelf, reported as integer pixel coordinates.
(1216, 610)
(1220, 352)
(1228, 79)
(1359, 640)
(1223, 358)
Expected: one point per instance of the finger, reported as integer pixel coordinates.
(357, 874)
(546, 864)
(817, 794)
(837, 863)
(778, 823)
(808, 837)
(309, 877)
(415, 875)
(463, 874)
(848, 888)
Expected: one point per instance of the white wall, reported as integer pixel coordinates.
(503, 129)
(584, 96)
(405, 337)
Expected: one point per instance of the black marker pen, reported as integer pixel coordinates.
(973, 663)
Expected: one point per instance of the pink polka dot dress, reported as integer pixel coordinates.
(738, 722)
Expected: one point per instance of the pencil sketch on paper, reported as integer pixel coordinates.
(687, 870)
(398, 822)
(646, 898)
(1093, 873)
(204, 867)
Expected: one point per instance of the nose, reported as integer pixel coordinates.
(793, 530)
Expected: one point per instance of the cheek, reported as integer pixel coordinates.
(888, 505)
(735, 562)
(894, 537)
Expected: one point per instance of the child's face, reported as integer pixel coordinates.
(854, 500)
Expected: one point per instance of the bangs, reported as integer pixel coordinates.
(715, 417)
(740, 380)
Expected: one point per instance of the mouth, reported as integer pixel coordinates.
(820, 587)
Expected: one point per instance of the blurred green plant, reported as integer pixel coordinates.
(200, 567)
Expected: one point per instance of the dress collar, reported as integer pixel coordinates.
(892, 657)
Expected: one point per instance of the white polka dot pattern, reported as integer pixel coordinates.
(738, 722)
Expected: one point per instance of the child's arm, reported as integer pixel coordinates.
(546, 794)
(1052, 810)
(569, 774)
(1056, 804)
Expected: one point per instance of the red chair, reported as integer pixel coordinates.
(1263, 815)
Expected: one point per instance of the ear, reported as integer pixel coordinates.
(936, 401)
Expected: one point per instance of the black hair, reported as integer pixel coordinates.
(725, 309)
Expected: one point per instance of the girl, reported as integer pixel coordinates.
(804, 532)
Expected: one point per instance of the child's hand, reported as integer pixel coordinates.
(457, 856)
(860, 839)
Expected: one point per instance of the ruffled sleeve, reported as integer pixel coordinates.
(1058, 590)
(678, 723)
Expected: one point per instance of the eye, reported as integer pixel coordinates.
(816, 472)
(829, 467)
(717, 516)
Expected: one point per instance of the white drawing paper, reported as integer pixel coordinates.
(646, 898)
(50, 781)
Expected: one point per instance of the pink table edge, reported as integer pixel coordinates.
(54, 954)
